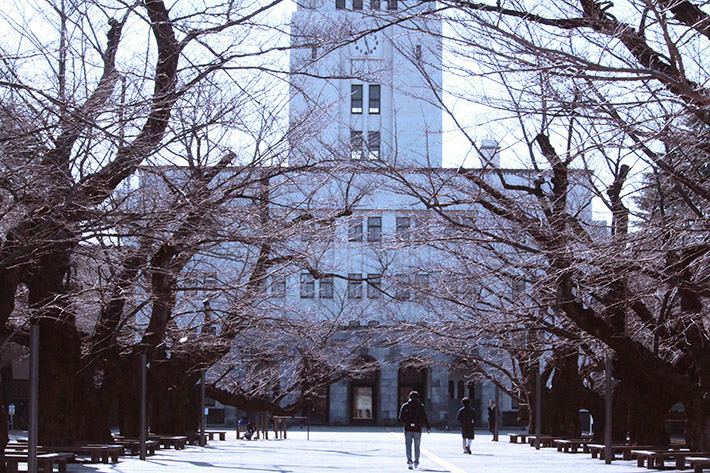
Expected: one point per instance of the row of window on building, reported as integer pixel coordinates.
(361, 229)
(358, 286)
(360, 4)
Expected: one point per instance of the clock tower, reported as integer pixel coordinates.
(366, 76)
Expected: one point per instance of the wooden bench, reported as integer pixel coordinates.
(212, 433)
(133, 446)
(96, 453)
(45, 461)
(698, 464)
(624, 449)
(178, 442)
(514, 438)
(657, 458)
(545, 440)
(572, 446)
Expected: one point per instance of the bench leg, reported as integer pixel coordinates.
(11, 466)
(639, 461)
(62, 465)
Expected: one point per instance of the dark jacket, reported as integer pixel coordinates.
(413, 416)
(467, 418)
(492, 411)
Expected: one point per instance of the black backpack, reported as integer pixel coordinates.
(409, 414)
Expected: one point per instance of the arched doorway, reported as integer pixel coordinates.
(364, 383)
(412, 376)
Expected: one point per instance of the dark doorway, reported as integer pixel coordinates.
(412, 376)
(364, 383)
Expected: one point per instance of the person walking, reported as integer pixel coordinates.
(467, 419)
(413, 416)
(492, 416)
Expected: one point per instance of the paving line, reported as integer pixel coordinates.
(435, 458)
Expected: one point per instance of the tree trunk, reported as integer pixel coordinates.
(128, 396)
(174, 397)
(562, 402)
(59, 409)
(646, 409)
(697, 424)
(4, 434)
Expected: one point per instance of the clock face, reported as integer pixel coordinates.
(368, 46)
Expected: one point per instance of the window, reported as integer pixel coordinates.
(403, 228)
(391, 4)
(308, 286)
(374, 99)
(422, 282)
(340, 4)
(354, 286)
(357, 4)
(278, 287)
(374, 286)
(355, 230)
(460, 386)
(402, 287)
(356, 98)
(375, 4)
(326, 287)
(517, 288)
(452, 390)
(374, 229)
(314, 52)
(418, 51)
(373, 145)
(357, 145)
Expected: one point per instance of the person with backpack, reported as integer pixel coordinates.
(467, 419)
(413, 416)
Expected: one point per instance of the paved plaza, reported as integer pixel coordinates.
(359, 450)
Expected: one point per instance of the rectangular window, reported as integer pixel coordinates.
(375, 4)
(392, 4)
(374, 286)
(403, 228)
(401, 290)
(357, 145)
(356, 98)
(357, 4)
(278, 288)
(354, 286)
(418, 51)
(355, 229)
(373, 145)
(326, 287)
(421, 282)
(314, 52)
(340, 4)
(373, 99)
(374, 228)
(308, 286)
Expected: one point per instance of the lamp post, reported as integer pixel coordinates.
(538, 406)
(607, 423)
(144, 407)
(496, 412)
(203, 417)
(34, 399)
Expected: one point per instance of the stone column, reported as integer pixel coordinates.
(339, 403)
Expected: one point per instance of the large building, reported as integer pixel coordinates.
(366, 80)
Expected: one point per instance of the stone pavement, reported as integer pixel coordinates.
(359, 450)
